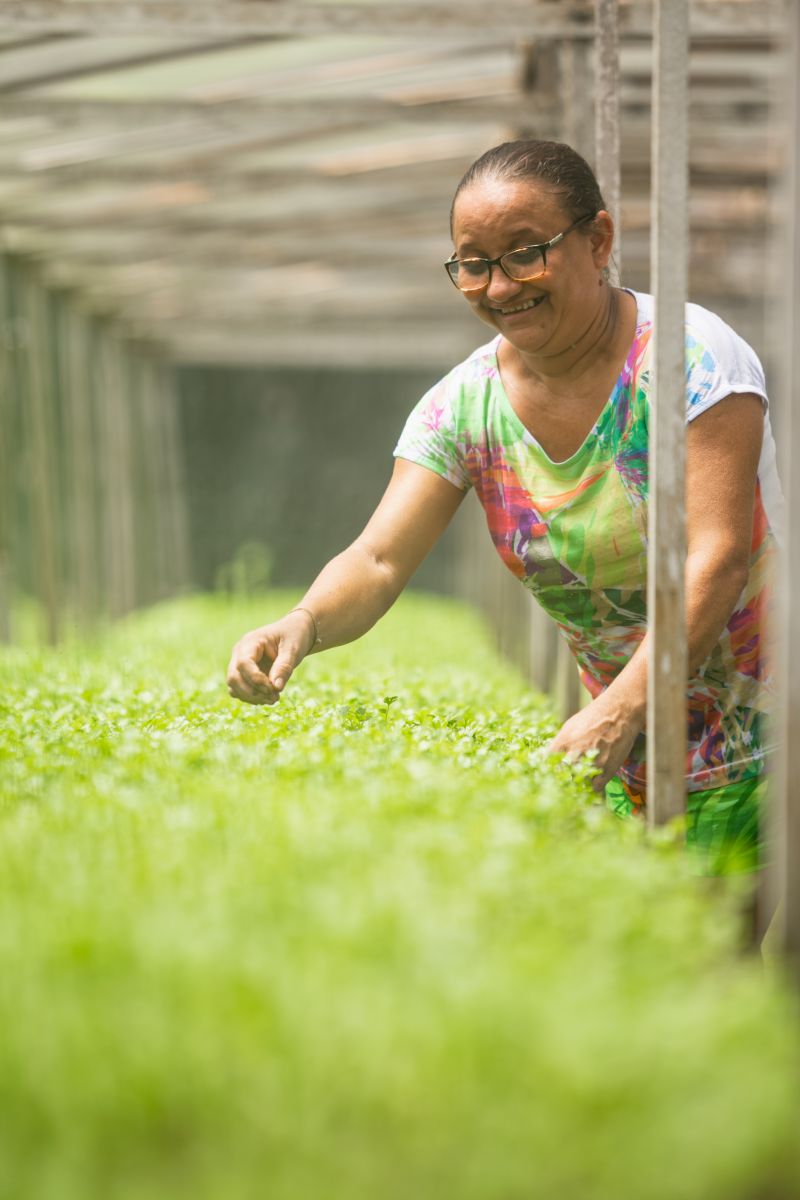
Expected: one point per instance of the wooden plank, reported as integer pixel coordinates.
(184, 209)
(287, 270)
(42, 480)
(385, 346)
(277, 203)
(324, 67)
(666, 701)
(176, 517)
(21, 42)
(279, 16)
(791, 937)
(782, 888)
(576, 94)
(7, 458)
(482, 97)
(71, 58)
(155, 549)
(225, 163)
(126, 154)
(110, 384)
(267, 115)
(607, 120)
(82, 456)
(722, 18)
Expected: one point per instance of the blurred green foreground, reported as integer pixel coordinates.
(366, 944)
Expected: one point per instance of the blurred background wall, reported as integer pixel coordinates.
(295, 460)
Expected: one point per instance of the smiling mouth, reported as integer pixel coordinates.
(507, 312)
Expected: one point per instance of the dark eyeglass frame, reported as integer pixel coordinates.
(543, 247)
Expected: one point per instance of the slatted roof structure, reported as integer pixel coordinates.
(264, 181)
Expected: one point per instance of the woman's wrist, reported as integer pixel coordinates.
(628, 700)
(311, 624)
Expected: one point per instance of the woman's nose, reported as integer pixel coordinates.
(500, 286)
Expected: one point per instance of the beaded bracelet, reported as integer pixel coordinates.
(317, 639)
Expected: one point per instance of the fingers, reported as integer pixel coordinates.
(281, 671)
(246, 681)
(245, 678)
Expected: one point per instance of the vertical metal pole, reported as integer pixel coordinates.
(667, 677)
(606, 118)
(784, 870)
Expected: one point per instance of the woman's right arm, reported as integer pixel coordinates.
(355, 589)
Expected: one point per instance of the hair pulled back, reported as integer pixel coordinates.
(531, 160)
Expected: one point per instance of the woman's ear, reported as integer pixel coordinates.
(602, 238)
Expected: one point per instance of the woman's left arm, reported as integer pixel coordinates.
(722, 452)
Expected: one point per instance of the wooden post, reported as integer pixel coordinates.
(577, 98)
(151, 543)
(667, 679)
(542, 649)
(7, 456)
(118, 500)
(577, 95)
(606, 119)
(42, 474)
(175, 515)
(783, 878)
(81, 455)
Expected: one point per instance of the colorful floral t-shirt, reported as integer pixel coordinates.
(575, 532)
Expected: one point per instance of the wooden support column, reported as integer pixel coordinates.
(152, 544)
(536, 636)
(42, 463)
(667, 680)
(161, 522)
(7, 456)
(175, 516)
(81, 460)
(577, 95)
(542, 655)
(783, 878)
(577, 98)
(606, 115)
(117, 484)
(128, 353)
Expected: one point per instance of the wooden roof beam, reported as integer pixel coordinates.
(722, 18)
(71, 113)
(495, 99)
(82, 57)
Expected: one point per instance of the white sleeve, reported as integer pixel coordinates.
(718, 363)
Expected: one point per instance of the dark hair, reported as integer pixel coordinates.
(553, 163)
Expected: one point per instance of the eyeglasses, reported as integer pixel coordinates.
(529, 262)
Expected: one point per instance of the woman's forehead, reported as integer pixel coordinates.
(502, 202)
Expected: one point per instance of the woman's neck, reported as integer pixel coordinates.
(597, 343)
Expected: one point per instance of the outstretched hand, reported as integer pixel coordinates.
(264, 659)
(603, 727)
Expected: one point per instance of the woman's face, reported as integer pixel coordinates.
(548, 314)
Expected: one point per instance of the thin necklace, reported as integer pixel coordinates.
(610, 315)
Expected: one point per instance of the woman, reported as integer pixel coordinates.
(548, 422)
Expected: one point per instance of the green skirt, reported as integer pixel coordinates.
(724, 826)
